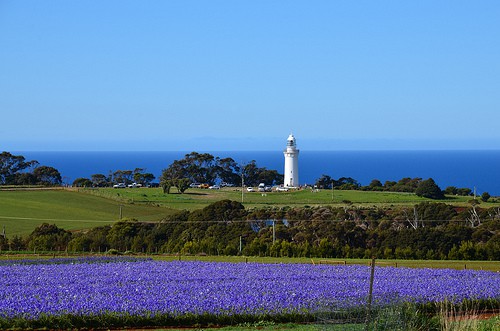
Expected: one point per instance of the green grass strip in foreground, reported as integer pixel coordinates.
(398, 317)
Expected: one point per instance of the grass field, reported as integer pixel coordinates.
(22, 210)
(198, 198)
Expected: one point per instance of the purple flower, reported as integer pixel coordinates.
(177, 288)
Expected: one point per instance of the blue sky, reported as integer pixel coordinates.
(241, 75)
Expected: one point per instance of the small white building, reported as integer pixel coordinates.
(291, 154)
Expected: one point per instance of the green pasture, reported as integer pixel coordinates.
(199, 198)
(23, 210)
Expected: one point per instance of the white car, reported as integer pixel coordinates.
(214, 187)
(250, 189)
(120, 185)
(282, 189)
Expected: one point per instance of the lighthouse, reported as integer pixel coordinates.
(291, 154)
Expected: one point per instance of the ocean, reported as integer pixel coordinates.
(471, 169)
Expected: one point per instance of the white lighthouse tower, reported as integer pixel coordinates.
(291, 154)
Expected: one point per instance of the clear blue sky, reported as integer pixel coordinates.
(241, 75)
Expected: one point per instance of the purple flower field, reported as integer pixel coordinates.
(148, 288)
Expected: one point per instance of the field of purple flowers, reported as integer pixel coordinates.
(173, 290)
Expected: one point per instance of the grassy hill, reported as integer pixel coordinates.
(198, 198)
(22, 210)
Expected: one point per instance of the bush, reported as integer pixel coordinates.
(429, 189)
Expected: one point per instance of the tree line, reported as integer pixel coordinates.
(426, 231)
(138, 175)
(425, 188)
(16, 170)
(205, 168)
(193, 168)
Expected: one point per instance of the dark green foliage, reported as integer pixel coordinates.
(324, 182)
(182, 184)
(100, 180)
(435, 211)
(143, 178)
(14, 170)
(48, 237)
(376, 185)
(205, 168)
(47, 176)
(82, 182)
(253, 175)
(485, 196)
(429, 189)
(12, 166)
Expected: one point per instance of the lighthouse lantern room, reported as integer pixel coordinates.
(291, 154)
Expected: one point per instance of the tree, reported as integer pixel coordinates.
(12, 165)
(17, 243)
(142, 178)
(270, 177)
(99, 180)
(82, 182)
(451, 190)
(199, 168)
(166, 185)
(324, 182)
(347, 183)
(228, 171)
(464, 191)
(49, 237)
(122, 176)
(47, 176)
(182, 184)
(406, 184)
(485, 196)
(25, 178)
(251, 174)
(429, 189)
(122, 234)
(375, 185)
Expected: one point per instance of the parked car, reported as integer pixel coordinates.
(120, 185)
(194, 185)
(214, 187)
(250, 189)
(134, 185)
(204, 186)
(282, 189)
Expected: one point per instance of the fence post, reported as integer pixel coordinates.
(370, 294)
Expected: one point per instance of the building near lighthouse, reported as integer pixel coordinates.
(291, 154)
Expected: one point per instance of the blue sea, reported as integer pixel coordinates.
(471, 169)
